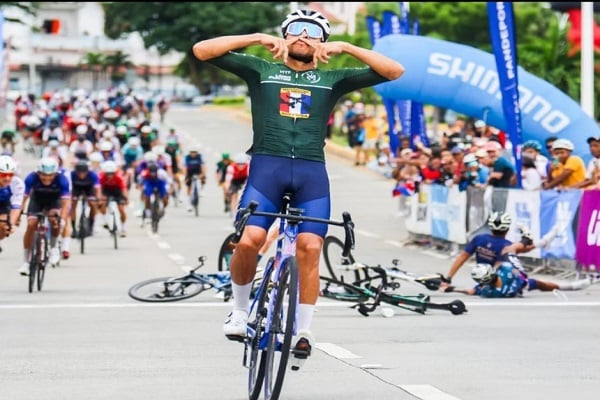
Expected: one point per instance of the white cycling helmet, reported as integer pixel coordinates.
(499, 221)
(48, 166)
(482, 273)
(146, 129)
(469, 158)
(105, 145)
(7, 165)
(96, 157)
(109, 167)
(107, 134)
(81, 129)
(314, 17)
(121, 130)
(150, 157)
(133, 141)
(563, 144)
(159, 150)
(241, 158)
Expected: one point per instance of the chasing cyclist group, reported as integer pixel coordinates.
(90, 146)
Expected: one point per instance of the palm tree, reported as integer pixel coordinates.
(94, 62)
(117, 63)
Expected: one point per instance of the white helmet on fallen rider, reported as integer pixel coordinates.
(482, 273)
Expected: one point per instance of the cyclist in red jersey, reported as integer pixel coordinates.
(113, 184)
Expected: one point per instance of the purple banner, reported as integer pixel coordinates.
(587, 251)
(502, 33)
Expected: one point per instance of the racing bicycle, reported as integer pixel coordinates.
(272, 316)
(370, 286)
(168, 289)
(195, 193)
(112, 209)
(39, 252)
(84, 225)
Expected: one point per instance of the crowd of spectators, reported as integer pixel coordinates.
(469, 153)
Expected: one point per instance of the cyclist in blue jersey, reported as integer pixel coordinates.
(487, 247)
(291, 103)
(154, 177)
(193, 164)
(47, 190)
(12, 189)
(84, 182)
(132, 154)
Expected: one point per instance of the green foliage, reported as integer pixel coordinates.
(229, 100)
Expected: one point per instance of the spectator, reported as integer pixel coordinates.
(356, 131)
(447, 168)
(530, 176)
(502, 171)
(407, 178)
(592, 175)
(533, 150)
(431, 168)
(568, 170)
(473, 174)
(549, 141)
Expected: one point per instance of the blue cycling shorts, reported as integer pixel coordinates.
(149, 186)
(272, 176)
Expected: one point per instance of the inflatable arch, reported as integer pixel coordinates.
(464, 79)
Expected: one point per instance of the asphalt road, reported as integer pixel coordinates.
(82, 337)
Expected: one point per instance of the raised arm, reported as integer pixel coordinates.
(216, 47)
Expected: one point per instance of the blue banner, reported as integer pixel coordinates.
(374, 28)
(418, 124)
(390, 109)
(439, 212)
(502, 33)
(559, 209)
(390, 24)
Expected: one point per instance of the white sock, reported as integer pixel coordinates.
(575, 285)
(304, 316)
(26, 255)
(241, 296)
(123, 227)
(65, 243)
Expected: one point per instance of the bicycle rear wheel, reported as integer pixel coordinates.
(332, 253)
(281, 328)
(226, 252)
(161, 290)
(155, 211)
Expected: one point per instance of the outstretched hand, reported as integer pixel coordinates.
(278, 47)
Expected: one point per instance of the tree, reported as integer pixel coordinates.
(93, 62)
(117, 64)
(177, 26)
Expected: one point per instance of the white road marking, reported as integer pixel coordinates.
(366, 233)
(336, 304)
(178, 258)
(427, 392)
(394, 243)
(163, 245)
(336, 351)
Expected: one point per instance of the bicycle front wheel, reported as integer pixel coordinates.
(82, 231)
(162, 290)
(336, 264)
(281, 329)
(113, 230)
(41, 262)
(226, 252)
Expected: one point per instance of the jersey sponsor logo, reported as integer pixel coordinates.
(311, 76)
(294, 103)
(283, 75)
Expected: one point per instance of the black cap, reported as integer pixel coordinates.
(591, 138)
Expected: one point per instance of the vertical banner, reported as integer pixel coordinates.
(374, 28)
(390, 109)
(439, 211)
(587, 251)
(558, 212)
(3, 67)
(418, 124)
(502, 33)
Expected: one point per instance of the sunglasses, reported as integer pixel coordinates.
(313, 31)
(6, 174)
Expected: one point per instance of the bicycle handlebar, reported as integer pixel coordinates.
(347, 223)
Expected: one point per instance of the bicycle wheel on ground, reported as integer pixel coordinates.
(161, 290)
(155, 213)
(255, 356)
(226, 252)
(82, 230)
(336, 264)
(32, 272)
(283, 317)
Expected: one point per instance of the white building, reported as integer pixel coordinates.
(40, 61)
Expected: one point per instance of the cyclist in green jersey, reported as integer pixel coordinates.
(291, 103)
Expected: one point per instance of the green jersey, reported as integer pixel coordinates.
(290, 109)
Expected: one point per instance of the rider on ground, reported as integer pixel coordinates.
(291, 103)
